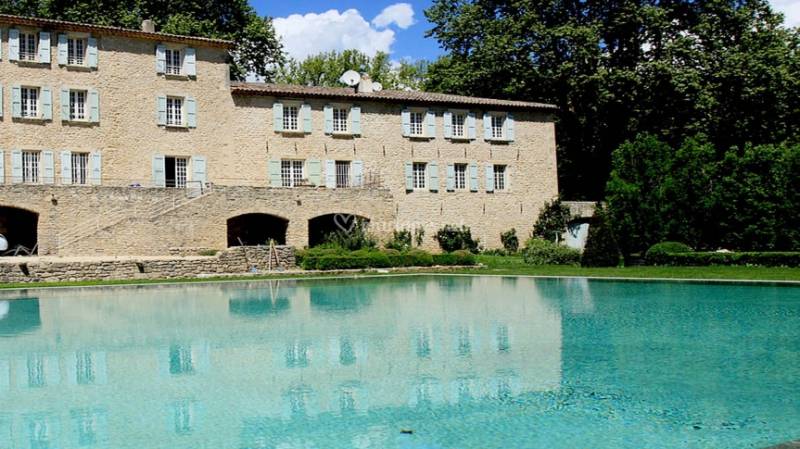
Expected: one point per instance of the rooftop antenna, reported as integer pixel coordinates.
(350, 77)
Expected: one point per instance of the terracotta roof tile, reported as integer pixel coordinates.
(398, 96)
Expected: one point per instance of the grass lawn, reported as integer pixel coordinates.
(498, 265)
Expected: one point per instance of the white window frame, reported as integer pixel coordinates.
(498, 126)
(79, 168)
(458, 124)
(78, 112)
(416, 127)
(292, 172)
(341, 119)
(181, 172)
(292, 122)
(419, 173)
(343, 172)
(173, 57)
(176, 111)
(30, 107)
(75, 57)
(460, 176)
(500, 177)
(28, 39)
(31, 167)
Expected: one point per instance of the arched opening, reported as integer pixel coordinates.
(19, 226)
(256, 229)
(320, 227)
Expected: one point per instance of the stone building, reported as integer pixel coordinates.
(117, 141)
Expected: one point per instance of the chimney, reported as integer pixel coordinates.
(365, 85)
(148, 26)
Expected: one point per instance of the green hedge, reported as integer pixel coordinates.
(339, 259)
(658, 254)
(766, 259)
(543, 252)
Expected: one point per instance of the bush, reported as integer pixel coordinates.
(354, 239)
(765, 259)
(601, 245)
(340, 259)
(542, 252)
(552, 221)
(460, 257)
(419, 235)
(657, 253)
(510, 241)
(400, 241)
(452, 238)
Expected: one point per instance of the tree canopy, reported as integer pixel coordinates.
(258, 50)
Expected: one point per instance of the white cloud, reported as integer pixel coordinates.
(790, 9)
(401, 14)
(310, 34)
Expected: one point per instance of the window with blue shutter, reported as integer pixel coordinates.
(44, 47)
(161, 59)
(47, 103)
(473, 177)
(406, 120)
(66, 167)
(199, 169)
(190, 62)
(277, 116)
(97, 168)
(409, 176)
(275, 173)
(94, 106)
(305, 109)
(355, 117)
(191, 112)
(489, 178)
(13, 44)
(91, 52)
(161, 110)
(330, 174)
(62, 49)
(315, 172)
(451, 177)
(159, 171)
(48, 167)
(433, 176)
(328, 113)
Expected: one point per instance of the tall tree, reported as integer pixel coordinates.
(616, 68)
(258, 50)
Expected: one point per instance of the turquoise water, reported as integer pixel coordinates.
(461, 362)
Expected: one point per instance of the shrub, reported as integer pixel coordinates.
(452, 238)
(419, 235)
(765, 259)
(510, 240)
(401, 240)
(460, 257)
(542, 252)
(601, 245)
(552, 221)
(339, 259)
(354, 239)
(657, 253)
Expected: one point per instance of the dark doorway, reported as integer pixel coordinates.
(320, 227)
(256, 229)
(19, 227)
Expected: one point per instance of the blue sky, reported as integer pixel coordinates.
(353, 23)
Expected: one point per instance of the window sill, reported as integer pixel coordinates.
(498, 140)
(176, 127)
(293, 132)
(461, 138)
(84, 122)
(420, 137)
(172, 76)
(31, 119)
(77, 67)
(29, 63)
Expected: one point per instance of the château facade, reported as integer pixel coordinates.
(117, 141)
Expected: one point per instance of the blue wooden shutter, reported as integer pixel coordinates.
(48, 167)
(430, 121)
(44, 47)
(277, 116)
(190, 62)
(16, 101)
(62, 49)
(406, 119)
(191, 112)
(355, 117)
(47, 103)
(64, 104)
(161, 59)
(97, 168)
(66, 167)
(409, 176)
(447, 117)
(94, 106)
(2, 167)
(159, 171)
(489, 178)
(161, 110)
(451, 177)
(91, 52)
(433, 176)
(275, 173)
(471, 133)
(473, 177)
(358, 173)
(199, 169)
(328, 112)
(487, 126)
(510, 127)
(305, 110)
(330, 174)
(16, 166)
(315, 172)
(13, 44)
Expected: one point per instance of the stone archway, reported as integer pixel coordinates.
(19, 227)
(321, 226)
(256, 229)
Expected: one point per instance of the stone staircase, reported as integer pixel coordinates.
(111, 217)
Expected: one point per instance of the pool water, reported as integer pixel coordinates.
(405, 362)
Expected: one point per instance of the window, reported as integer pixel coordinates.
(458, 125)
(183, 417)
(499, 177)
(80, 168)
(30, 102)
(290, 114)
(27, 46)
(30, 167)
(297, 354)
(498, 124)
(342, 174)
(180, 360)
(340, 119)
(76, 51)
(419, 175)
(173, 59)
(175, 171)
(416, 121)
(77, 105)
(460, 178)
(35, 371)
(84, 368)
(174, 111)
(291, 172)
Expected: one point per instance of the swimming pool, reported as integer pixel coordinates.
(403, 362)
